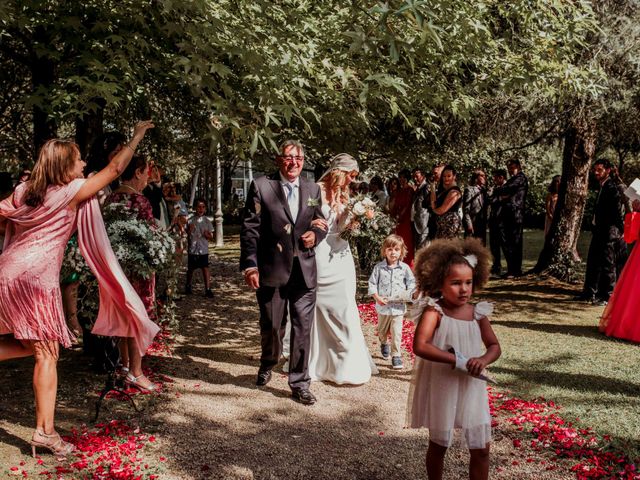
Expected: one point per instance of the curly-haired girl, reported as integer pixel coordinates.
(448, 389)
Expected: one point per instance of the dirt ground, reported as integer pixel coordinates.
(215, 423)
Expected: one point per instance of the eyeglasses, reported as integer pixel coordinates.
(291, 158)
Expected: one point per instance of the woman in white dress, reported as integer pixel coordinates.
(338, 352)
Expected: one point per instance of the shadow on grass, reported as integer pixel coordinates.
(571, 381)
(574, 330)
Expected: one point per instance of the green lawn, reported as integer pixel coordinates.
(552, 349)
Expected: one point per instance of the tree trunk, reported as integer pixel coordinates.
(44, 125)
(557, 255)
(89, 126)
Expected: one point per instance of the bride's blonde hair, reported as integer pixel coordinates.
(336, 186)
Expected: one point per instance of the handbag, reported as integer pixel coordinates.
(631, 226)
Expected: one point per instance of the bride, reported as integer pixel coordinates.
(338, 352)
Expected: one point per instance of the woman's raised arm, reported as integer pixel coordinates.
(115, 167)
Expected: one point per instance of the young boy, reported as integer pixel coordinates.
(199, 231)
(391, 284)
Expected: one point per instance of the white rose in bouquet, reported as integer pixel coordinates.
(367, 202)
(359, 209)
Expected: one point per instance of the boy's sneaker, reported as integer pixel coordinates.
(187, 290)
(208, 293)
(385, 350)
(396, 363)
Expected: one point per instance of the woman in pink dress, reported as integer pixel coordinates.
(620, 317)
(38, 220)
(400, 210)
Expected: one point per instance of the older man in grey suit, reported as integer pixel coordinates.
(277, 256)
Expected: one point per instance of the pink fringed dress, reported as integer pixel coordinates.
(35, 240)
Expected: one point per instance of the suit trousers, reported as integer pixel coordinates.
(605, 261)
(495, 244)
(511, 239)
(480, 230)
(393, 324)
(419, 239)
(276, 303)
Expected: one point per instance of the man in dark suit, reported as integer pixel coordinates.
(513, 195)
(277, 256)
(607, 251)
(495, 220)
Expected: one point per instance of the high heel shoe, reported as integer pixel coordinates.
(54, 443)
(132, 381)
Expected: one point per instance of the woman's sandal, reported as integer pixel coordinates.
(132, 381)
(54, 443)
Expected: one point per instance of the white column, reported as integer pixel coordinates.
(218, 214)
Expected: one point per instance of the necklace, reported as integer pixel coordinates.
(124, 185)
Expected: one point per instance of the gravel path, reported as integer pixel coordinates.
(218, 424)
(213, 422)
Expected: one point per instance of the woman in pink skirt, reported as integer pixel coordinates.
(38, 220)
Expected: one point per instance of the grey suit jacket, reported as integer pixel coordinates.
(270, 238)
(420, 208)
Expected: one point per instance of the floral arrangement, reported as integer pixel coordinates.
(140, 248)
(366, 229)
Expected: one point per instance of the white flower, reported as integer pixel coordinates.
(359, 208)
(367, 202)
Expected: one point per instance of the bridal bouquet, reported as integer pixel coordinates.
(366, 229)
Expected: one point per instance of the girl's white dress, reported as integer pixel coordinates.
(338, 352)
(443, 399)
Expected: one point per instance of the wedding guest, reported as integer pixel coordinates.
(391, 284)
(446, 204)
(132, 182)
(376, 191)
(420, 213)
(607, 251)
(550, 202)
(475, 203)
(338, 351)
(154, 193)
(513, 195)
(172, 197)
(433, 181)
(393, 184)
(400, 211)
(446, 394)
(39, 219)
(496, 227)
(200, 232)
(620, 317)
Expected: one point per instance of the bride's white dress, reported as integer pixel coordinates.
(338, 352)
